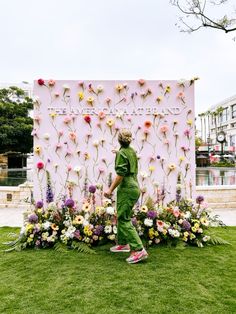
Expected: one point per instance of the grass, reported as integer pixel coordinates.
(176, 281)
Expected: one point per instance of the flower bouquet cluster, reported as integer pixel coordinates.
(65, 226)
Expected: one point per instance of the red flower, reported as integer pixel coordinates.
(40, 82)
(87, 119)
(40, 165)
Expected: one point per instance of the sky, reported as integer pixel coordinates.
(108, 39)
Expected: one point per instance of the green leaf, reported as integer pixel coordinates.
(215, 240)
(82, 247)
(60, 247)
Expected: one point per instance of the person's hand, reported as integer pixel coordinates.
(107, 194)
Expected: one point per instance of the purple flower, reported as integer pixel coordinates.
(158, 156)
(69, 203)
(186, 225)
(49, 194)
(92, 189)
(134, 221)
(39, 204)
(199, 199)
(77, 234)
(98, 230)
(151, 214)
(33, 218)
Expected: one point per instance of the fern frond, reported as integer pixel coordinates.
(215, 240)
(60, 247)
(82, 247)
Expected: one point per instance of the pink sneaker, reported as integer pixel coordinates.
(137, 257)
(120, 248)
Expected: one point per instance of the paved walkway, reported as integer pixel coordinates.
(14, 217)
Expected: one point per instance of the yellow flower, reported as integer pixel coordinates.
(181, 158)
(194, 229)
(29, 227)
(151, 233)
(185, 234)
(167, 89)
(159, 99)
(119, 87)
(53, 114)
(80, 95)
(185, 239)
(110, 122)
(86, 156)
(164, 231)
(189, 122)
(90, 100)
(37, 149)
(196, 225)
(204, 221)
(89, 233)
(86, 207)
(151, 168)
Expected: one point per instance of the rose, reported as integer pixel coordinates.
(41, 82)
(147, 124)
(87, 119)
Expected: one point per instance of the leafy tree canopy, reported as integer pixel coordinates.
(15, 123)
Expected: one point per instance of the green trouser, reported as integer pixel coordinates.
(126, 232)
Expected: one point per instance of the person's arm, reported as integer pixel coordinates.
(118, 179)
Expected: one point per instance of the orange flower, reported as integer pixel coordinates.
(147, 124)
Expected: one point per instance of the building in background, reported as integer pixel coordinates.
(218, 130)
(25, 86)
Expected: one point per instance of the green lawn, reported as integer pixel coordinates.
(176, 281)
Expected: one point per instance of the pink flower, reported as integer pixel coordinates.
(69, 168)
(129, 119)
(164, 129)
(108, 101)
(41, 82)
(176, 212)
(72, 136)
(57, 94)
(51, 83)
(60, 133)
(40, 165)
(58, 146)
(187, 133)
(37, 118)
(180, 95)
(81, 84)
(141, 82)
(101, 115)
(67, 120)
(34, 133)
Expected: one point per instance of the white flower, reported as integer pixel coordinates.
(70, 232)
(200, 230)
(77, 169)
(99, 88)
(174, 233)
(46, 136)
(85, 222)
(187, 215)
(148, 222)
(66, 87)
(86, 216)
(96, 143)
(108, 229)
(120, 114)
(110, 210)
(52, 206)
(107, 202)
(143, 174)
(67, 223)
(46, 225)
(180, 221)
(115, 229)
(22, 230)
(206, 238)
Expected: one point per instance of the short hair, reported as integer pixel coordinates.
(124, 137)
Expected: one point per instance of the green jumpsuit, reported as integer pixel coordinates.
(126, 165)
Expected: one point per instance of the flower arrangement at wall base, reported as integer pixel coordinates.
(179, 223)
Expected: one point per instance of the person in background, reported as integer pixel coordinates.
(128, 192)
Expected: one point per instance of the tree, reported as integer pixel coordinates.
(15, 123)
(200, 13)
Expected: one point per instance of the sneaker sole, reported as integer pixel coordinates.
(139, 260)
(118, 251)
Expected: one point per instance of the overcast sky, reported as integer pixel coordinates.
(113, 39)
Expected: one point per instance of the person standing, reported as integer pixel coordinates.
(128, 192)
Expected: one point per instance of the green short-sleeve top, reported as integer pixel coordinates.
(126, 163)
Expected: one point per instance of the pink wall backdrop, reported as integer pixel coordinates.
(75, 130)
